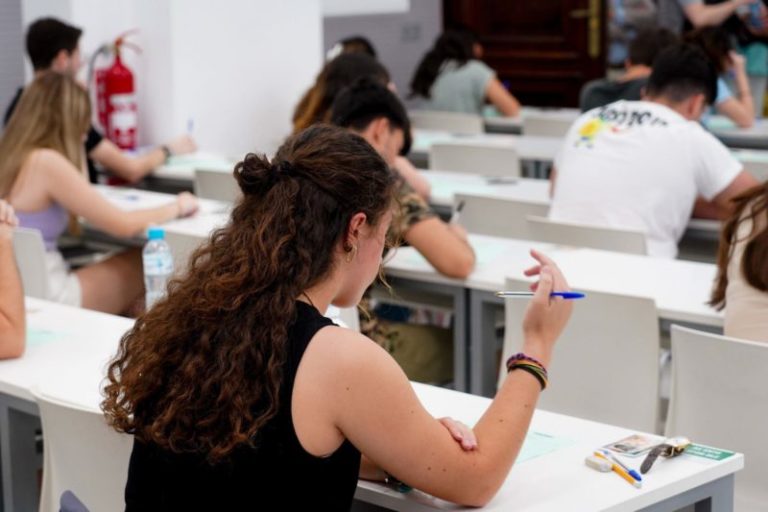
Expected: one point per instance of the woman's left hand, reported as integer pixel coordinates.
(461, 433)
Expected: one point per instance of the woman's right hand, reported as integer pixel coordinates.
(187, 204)
(546, 317)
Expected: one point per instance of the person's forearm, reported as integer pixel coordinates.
(744, 93)
(12, 319)
(151, 160)
(711, 15)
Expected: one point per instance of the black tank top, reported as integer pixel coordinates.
(276, 474)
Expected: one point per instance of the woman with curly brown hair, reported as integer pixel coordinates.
(742, 281)
(241, 394)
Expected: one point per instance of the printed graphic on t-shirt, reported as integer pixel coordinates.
(615, 120)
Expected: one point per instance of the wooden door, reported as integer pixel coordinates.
(542, 50)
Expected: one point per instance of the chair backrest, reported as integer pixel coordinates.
(82, 454)
(454, 122)
(757, 169)
(496, 216)
(182, 245)
(29, 249)
(583, 235)
(605, 365)
(475, 158)
(349, 316)
(719, 397)
(212, 184)
(546, 126)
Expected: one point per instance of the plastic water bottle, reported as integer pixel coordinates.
(158, 265)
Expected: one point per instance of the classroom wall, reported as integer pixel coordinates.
(236, 72)
(401, 39)
(11, 51)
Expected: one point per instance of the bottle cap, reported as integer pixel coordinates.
(156, 233)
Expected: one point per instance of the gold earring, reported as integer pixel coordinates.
(351, 254)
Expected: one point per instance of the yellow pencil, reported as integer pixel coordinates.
(618, 469)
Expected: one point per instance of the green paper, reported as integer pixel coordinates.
(537, 444)
(37, 337)
(707, 452)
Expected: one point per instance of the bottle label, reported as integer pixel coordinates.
(157, 264)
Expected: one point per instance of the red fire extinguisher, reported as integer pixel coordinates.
(116, 98)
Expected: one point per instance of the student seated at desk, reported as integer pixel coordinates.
(42, 176)
(451, 77)
(352, 44)
(341, 72)
(373, 112)
(643, 49)
(238, 390)
(53, 45)
(642, 164)
(716, 43)
(741, 286)
(12, 321)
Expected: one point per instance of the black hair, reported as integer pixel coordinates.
(46, 37)
(716, 43)
(451, 45)
(681, 71)
(648, 43)
(358, 44)
(363, 102)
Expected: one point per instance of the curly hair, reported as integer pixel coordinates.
(201, 371)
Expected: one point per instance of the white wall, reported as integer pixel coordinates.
(355, 7)
(236, 68)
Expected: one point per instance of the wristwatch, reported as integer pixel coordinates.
(672, 447)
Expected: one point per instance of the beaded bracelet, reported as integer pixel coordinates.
(529, 365)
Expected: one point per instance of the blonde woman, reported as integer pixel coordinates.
(42, 175)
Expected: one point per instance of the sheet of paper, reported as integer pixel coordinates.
(37, 336)
(537, 444)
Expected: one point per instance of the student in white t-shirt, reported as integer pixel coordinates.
(645, 164)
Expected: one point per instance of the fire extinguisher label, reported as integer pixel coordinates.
(123, 120)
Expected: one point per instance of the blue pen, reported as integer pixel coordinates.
(564, 295)
(634, 474)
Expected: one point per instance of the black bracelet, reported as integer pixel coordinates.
(166, 151)
(533, 372)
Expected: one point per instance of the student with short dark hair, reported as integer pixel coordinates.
(12, 320)
(341, 72)
(717, 45)
(53, 45)
(643, 164)
(376, 114)
(450, 77)
(238, 390)
(643, 49)
(741, 287)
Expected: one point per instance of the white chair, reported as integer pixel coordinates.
(182, 246)
(489, 160)
(212, 184)
(720, 398)
(605, 366)
(583, 235)
(497, 217)
(454, 122)
(29, 249)
(350, 317)
(545, 126)
(82, 454)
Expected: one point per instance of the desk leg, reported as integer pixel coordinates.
(18, 462)
(483, 365)
(716, 496)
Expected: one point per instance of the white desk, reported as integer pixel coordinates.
(69, 347)
(533, 148)
(680, 289)
(724, 129)
(559, 480)
(496, 123)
